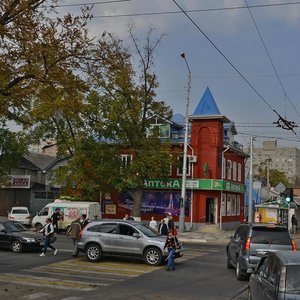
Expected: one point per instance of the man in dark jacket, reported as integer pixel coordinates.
(162, 227)
(55, 218)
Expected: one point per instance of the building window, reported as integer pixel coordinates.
(233, 205)
(234, 171)
(228, 206)
(229, 168)
(224, 169)
(238, 204)
(180, 165)
(239, 172)
(125, 160)
(223, 205)
(164, 130)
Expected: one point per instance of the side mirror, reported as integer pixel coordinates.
(136, 235)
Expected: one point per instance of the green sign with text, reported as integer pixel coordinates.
(195, 184)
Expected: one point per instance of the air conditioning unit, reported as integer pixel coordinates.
(193, 159)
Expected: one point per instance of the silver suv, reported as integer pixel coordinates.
(124, 238)
(251, 241)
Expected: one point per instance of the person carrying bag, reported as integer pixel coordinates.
(48, 232)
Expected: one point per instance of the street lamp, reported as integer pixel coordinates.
(184, 167)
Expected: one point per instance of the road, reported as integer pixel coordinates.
(200, 274)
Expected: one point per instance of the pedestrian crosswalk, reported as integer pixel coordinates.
(78, 274)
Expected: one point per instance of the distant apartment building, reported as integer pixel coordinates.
(284, 159)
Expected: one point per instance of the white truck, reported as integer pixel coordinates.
(69, 211)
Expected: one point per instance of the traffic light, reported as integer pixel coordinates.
(289, 195)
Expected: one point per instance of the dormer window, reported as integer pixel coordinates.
(164, 129)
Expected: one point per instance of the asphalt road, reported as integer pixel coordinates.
(200, 274)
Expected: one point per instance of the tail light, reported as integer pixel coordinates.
(247, 244)
(294, 247)
(282, 280)
(80, 233)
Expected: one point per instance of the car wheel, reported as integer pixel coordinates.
(239, 275)
(153, 256)
(16, 246)
(229, 265)
(93, 252)
(38, 227)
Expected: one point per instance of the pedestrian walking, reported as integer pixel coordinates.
(153, 223)
(55, 218)
(172, 245)
(163, 228)
(48, 232)
(294, 224)
(74, 233)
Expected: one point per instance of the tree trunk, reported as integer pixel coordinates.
(137, 195)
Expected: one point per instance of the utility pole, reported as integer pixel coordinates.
(268, 178)
(184, 167)
(250, 219)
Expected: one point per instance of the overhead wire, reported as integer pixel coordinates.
(281, 120)
(90, 3)
(271, 60)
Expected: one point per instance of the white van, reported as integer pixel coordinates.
(69, 211)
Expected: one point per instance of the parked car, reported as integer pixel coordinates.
(124, 238)
(277, 277)
(251, 241)
(20, 214)
(14, 236)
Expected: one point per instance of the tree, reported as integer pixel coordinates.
(275, 176)
(38, 63)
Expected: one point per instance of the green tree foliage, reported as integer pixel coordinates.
(12, 146)
(93, 98)
(275, 176)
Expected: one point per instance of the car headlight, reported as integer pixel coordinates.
(28, 240)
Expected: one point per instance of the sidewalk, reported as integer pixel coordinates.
(216, 236)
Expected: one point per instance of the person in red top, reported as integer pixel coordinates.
(172, 245)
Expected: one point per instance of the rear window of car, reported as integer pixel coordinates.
(293, 280)
(270, 235)
(20, 211)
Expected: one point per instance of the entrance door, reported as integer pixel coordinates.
(210, 210)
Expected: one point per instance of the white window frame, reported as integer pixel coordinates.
(238, 205)
(239, 172)
(229, 168)
(125, 160)
(228, 205)
(234, 171)
(223, 205)
(188, 166)
(224, 169)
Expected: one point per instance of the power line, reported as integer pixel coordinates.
(191, 10)
(270, 59)
(90, 3)
(283, 123)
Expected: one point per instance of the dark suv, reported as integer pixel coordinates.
(251, 241)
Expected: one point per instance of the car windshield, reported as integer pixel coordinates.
(270, 235)
(14, 227)
(146, 230)
(20, 211)
(293, 280)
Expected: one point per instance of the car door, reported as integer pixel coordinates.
(5, 237)
(256, 285)
(105, 235)
(237, 242)
(127, 242)
(273, 277)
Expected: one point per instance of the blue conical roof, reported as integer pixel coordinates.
(207, 108)
(207, 105)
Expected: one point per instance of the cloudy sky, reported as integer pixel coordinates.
(232, 28)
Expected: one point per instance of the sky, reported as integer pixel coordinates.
(261, 42)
